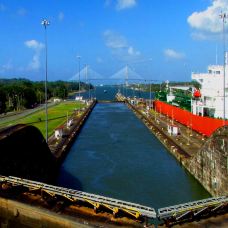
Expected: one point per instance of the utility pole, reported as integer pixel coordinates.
(45, 23)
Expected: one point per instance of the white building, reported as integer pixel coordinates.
(211, 102)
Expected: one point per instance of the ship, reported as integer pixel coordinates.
(202, 109)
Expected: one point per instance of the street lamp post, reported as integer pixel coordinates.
(79, 83)
(150, 84)
(45, 23)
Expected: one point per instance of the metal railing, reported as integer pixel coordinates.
(192, 210)
(169, 215)
(97, 201)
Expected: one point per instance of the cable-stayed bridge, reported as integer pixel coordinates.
(123, 76)
(87, 74)
(127, 73)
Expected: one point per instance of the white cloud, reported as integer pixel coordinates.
(37, 47)
(34, 44)
(133, 52)
(119, 45)
(199, 36)
(125, 4)
(172, 54)
(61, 16)
(208, 20)
(114, 40)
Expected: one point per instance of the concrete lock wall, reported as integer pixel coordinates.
(210, 164)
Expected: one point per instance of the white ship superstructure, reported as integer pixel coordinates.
(211, 102)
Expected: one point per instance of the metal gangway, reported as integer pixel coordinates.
(187, 212)
(97, 201)
(193, 210)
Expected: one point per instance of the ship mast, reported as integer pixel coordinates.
(223, 16)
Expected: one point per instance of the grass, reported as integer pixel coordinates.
(57, 115)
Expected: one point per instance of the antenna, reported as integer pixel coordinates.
(216, 54)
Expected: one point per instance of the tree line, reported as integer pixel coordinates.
(156, 87)
(18, 94)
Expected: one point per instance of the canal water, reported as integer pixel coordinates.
(109, 92)
(117, 156)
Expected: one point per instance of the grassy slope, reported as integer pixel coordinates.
(56, 116)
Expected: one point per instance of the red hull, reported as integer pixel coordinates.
(203, 125)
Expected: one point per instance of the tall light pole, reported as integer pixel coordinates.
(45, 23)
(79, 83)
(224, 16)
(150, 83)
(87, 80)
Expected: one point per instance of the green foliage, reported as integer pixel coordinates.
(161, 95)
(154, 87)
(17, 94)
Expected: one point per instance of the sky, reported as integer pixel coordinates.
(159, 40)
